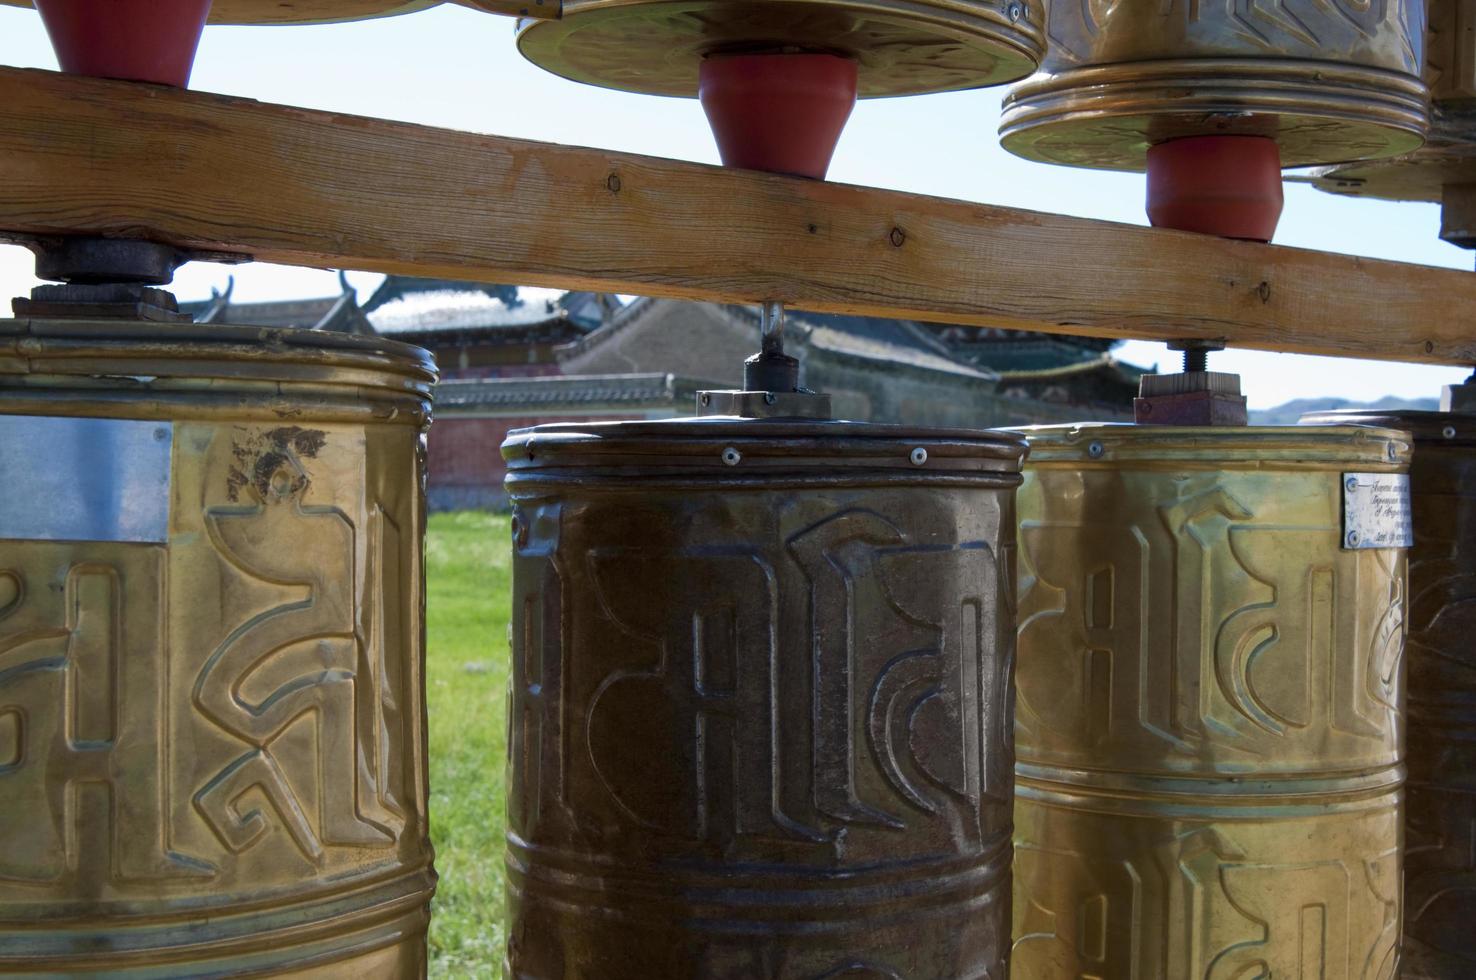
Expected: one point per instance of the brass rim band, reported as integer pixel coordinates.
(92, 367)
(326, 926)
(1078, 117)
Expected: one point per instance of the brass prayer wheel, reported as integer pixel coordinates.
(761, 700)
(901, 47)
(1440, 872)
(1443, 171)
(1330, 82)
(1210, 730)
(212, 723)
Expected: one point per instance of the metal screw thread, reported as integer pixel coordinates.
(1196, 359)
(771, 328)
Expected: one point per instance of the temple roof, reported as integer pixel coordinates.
(461, 310)
(443, 313)
(340, 312)
(1126, 373)
(575, 394)
(403, 304)
(885, 343)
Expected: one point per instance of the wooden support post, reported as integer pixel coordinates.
(306, 187)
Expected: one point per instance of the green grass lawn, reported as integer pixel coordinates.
(468, 570)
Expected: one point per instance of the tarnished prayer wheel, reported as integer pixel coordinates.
(212, 728)
(761, 700)
(1210, 727)
(1440, 830)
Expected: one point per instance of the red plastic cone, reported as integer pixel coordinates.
(139, 40)
(1216, 185)
(783, 113)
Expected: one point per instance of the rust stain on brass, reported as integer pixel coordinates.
(212, 744)
(761, 701)
(1210, 711)
(1440, 860)
(1330, 81)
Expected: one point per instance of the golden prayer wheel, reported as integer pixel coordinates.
(1330, 81)
(1443, 171)
(779, 78)
(761, 699)
(1440, 870)
(1210, 704)
(902, 47)
(212, 724)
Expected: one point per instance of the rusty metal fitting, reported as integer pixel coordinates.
(1196, 396)
(1460, 398)
(1196, 352)
(110, 278)
(101, 300)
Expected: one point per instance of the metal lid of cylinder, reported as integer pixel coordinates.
(768, 452)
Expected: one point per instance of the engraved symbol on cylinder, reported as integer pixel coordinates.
(883, 727)
(80, 790)
(1178, 639)
(312, 657)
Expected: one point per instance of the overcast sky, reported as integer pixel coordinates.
(457, 68)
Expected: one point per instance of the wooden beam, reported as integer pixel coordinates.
(316, 188)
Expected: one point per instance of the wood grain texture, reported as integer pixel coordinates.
(314, 188)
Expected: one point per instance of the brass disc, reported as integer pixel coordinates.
(298, 11)
(903, 47)
(1107, 116)
(1448, 158)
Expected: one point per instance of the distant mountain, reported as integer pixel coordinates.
(1292, 411)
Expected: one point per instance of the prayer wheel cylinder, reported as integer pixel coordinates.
(1210, 731)
(212, 723)
(1330, 82)
(900, 47)
(1440, 870)
(1443, 171)
(761, 700)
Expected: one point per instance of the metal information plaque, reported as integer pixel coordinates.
(81, 479)
(1376, 511)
